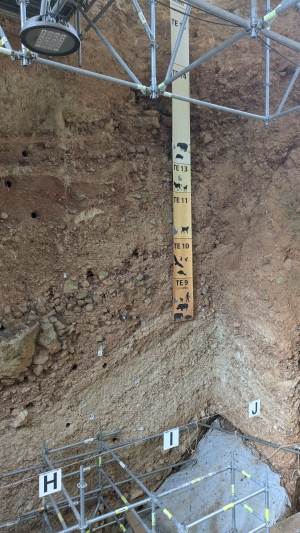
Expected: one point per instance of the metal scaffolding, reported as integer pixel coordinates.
(92, 510)
(252, 28)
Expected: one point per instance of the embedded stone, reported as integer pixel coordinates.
(70, 286)
(37, 370)
(21, 419)
(48, 339)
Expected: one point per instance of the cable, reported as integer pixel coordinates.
(278, 53)
(198, 18)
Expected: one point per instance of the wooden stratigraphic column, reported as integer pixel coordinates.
(183, 308)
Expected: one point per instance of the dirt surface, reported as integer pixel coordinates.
(86, 250)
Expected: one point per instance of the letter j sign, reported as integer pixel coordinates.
(254, 408)
(49, 482)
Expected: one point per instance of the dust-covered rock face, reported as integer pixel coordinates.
(86, 240)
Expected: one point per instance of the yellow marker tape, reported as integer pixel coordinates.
(232, 490)
(142, 87)
(245, 474)
(248, 508)
(168, 94)
(161, 85)
(60, 518)
(123, 528)
(267, 515)
(124, 499)
(229, 506)
(270, 15)
(153, 519)
(99, 461)
(196, 480)
(121, 510)
(167, 513)
(142, 18)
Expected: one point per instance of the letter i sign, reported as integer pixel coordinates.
(171, 438)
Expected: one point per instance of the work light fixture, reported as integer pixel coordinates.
(49, 36)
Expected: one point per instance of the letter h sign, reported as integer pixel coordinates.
(49, 482)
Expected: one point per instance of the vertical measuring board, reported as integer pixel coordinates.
(183, 306)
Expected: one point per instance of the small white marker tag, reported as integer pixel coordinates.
(254, 408)
(171, 438)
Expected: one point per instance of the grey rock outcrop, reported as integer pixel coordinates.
(17, 347)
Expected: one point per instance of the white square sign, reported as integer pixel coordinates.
(171, 438)
(254, 408)
(49, 482)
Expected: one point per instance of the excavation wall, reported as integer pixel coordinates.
(86, 252)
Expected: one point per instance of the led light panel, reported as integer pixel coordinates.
(49, 38)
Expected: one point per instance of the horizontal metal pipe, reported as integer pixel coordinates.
(249, 477)
(204, 58)
(254, 513)
(192, 482)
(259, 528)
(221, 13)
(213, 106)
(273, 117)
(5, 51)
(83, 72)
(223, 509)
(85, 441)
(281, 8)
(285, 41)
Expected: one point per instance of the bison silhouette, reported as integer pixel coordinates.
(182, 146)
(181, 307)
(178, 316)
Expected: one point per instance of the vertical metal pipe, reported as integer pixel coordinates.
(153, 92)
(44, 499)
(153, 517)
(43, 7)
(99, 473)
(267, 91)
(267, 504)
(23, 4)
(253, 18)
(78, 29)
(233, 497)
(82, 485)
